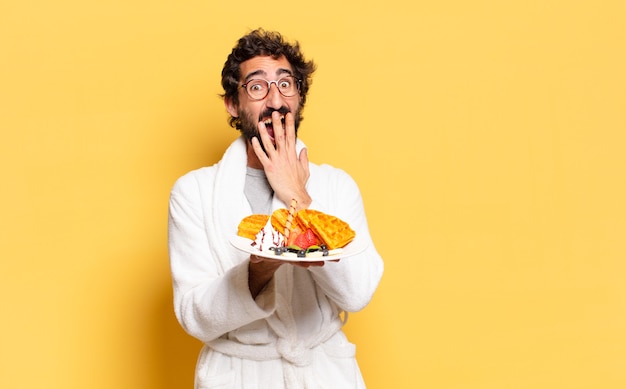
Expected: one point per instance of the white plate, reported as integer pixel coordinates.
(243, 244)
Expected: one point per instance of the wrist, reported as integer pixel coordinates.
(303, 201)
(260, 272)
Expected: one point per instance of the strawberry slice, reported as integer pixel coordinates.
(306, 239)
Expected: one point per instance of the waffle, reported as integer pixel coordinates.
(334, 232)
(279, 221)
(251, 225)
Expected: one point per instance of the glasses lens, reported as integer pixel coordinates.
(287, 86)
(257, 89)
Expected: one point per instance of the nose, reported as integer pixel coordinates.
(274, 98)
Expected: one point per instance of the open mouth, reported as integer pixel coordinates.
(269, 126)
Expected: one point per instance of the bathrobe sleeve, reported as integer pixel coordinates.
(351, 282)
(209, 300)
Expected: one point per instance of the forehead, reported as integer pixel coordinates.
(265, 67)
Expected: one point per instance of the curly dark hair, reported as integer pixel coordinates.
(264, 43)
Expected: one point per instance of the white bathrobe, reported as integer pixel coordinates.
(289, 336)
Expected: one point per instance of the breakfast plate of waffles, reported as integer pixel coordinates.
(306, 235)
(244, 244)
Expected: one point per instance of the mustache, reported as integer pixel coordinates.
(268, 112)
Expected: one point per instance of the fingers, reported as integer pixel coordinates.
(266, 261)
(284, 132)
(265, 137)
(257, 259)
(282, 136)
(304, 159)
(279, 131)
(258, 150)
(290, 129)
(306, 265)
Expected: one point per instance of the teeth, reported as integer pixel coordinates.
(269, 121)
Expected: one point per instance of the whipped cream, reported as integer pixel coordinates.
(268, 237)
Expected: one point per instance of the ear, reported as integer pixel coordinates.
(231, 107)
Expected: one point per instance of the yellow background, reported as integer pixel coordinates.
(488, 138)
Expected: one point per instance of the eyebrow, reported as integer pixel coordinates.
(261, 72)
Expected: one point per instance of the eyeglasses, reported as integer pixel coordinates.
(258, 89)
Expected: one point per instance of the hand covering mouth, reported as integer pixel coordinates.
(269, 126)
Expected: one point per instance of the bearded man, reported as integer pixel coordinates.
(267, 322)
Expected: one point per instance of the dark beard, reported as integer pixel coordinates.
(249, 126)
